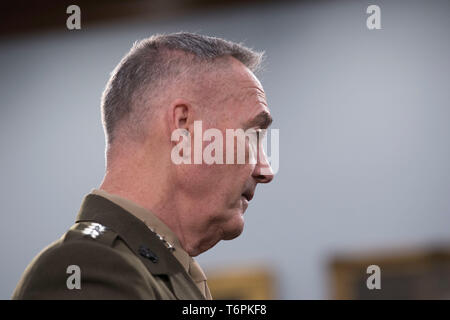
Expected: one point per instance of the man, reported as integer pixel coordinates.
(136, 236)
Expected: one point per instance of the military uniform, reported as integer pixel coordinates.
(119, 255)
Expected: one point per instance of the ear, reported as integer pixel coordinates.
(181, 115)
(181, 119)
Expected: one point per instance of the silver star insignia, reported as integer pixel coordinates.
(94, 230)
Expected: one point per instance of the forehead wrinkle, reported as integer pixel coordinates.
(254, 90)
(257, 96)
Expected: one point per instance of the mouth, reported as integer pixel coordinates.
(248, 194)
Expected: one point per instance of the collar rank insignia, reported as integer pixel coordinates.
(166, 243)
(94, 230)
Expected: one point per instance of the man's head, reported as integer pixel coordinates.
(168, 82)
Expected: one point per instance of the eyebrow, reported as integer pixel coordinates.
(262, 120)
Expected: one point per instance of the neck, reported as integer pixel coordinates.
(154, 190)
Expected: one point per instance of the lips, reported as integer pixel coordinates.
(248, 194)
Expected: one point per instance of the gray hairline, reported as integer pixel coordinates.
(153, 62)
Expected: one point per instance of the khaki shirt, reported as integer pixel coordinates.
(109, 253)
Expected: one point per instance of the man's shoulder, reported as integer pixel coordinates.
(88, 235)
(90, 249)
(81, 242)
(116, 255)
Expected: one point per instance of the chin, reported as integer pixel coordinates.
(234, 227)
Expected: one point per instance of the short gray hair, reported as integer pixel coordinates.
(149, 64)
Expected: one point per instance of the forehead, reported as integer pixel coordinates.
(234, 97)
(249, 98)
(252, 94)
(246, 84)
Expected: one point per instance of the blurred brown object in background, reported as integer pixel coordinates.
(242, 283)
(422, 273)
(33, 16)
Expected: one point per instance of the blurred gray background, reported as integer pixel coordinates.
(363, 118)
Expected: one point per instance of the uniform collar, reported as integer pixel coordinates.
(153, 222)
(132, 231)
(138, 236)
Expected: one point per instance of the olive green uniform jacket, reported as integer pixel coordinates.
(118, 257)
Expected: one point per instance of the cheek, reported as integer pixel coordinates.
(208, 179)
(218, 183)
(234, 181)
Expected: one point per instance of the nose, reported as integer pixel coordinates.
(263, 171)
(263, 178)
